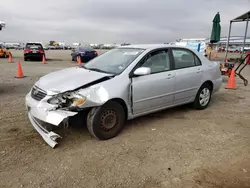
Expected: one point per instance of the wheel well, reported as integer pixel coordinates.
(210, 83)
(121, 102)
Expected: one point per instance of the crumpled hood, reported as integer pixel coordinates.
(68, 79)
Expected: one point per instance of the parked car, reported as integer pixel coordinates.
(233, 49)
(246, 49)
(33, 51)
(221, 49)
(45, 47)
(119, 85)
(19, 47)
(51, 47)
(86, 53)
(4, 52)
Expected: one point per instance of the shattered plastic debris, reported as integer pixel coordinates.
(96, 94)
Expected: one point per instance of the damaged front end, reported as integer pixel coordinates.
(55, 108)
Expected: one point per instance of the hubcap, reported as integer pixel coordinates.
(204, 97)
(108, 120)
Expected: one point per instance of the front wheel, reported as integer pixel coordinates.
(203, 97)
(107, 121)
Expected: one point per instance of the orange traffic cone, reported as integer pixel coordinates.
(231, 84)
(19, 71)
(79, 60)
(10, 58)
(44, 60)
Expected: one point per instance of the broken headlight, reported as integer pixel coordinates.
(54, 100)
(67, 100)
(77, 101)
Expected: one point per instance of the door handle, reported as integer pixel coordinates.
(170, 76)
(199, 70)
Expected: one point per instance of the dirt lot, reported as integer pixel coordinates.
(180, 147)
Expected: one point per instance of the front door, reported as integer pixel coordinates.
(154, 91)
(188, 76)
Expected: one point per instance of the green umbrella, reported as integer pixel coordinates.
(216, 30)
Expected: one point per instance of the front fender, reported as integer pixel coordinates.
(95, 96)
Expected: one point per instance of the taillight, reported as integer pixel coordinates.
(27, 51)
(40, 51)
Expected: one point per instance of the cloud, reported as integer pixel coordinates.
(116, 21)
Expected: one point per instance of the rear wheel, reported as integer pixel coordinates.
(203, 97)
(25, 59)
(107, 121)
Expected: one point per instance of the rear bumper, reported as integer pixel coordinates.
(217, 84)
(30, 55)
(85, 58)
(41, 111)
(3, 54)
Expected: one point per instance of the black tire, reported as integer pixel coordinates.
(197, 102)
(25, 59)
(97, 117)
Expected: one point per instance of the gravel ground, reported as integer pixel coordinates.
(179, 147)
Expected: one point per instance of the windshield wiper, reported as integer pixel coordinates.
(97, 70)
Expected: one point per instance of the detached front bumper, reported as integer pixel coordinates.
(49, 137)
(41, 111)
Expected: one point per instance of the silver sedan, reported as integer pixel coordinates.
(119, 85)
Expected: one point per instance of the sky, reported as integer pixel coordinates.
(117, 21)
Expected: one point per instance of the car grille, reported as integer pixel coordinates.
(37, 93)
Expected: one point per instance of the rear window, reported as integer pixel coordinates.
(34, 46)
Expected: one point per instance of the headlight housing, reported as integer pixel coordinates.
(54, 100)
(68, 100)
(78, 101)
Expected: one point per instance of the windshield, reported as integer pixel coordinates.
(114, 61)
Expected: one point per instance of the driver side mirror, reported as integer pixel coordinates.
(141, 71)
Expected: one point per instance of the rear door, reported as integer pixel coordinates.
(155, 91)
(188, 75)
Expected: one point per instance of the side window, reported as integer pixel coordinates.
(197, 60)
(183, 58)
(158, 61)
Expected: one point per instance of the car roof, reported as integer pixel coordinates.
(153, 46)
(34, 43)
